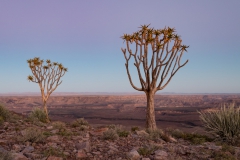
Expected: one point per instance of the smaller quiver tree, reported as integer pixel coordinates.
(47, 76)
(156, 54)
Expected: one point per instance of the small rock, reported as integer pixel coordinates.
(97, 153)
(55, 131)
(54, 158)
(49, 127)
(213, 147)
(83, 146)
(66, 153)
(142, 133)
(33, 155)
(160, 155)
(16, 148)
(2, 149)
(172, 139)
(133, 155)
(28, 149)
(3, 142)
(145, 158)
(99, 132)
(53, 138)
(81, 154)
(113, 148)
(19, 156)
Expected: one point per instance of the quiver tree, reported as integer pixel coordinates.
(156, 52)
(47, 76)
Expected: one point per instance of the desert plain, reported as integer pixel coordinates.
(171, 111)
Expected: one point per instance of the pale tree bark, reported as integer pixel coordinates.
(163, 60)
(48, 78)
(150, 115)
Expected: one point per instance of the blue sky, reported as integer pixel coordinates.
(85, 37)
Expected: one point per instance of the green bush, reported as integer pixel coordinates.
(80, 122)
(38, 114)
(32, 135)
(110, 135)
(224, 123)
(4, 113)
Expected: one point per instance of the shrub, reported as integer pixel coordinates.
(147, 150)
(4, 113)
(53, 152)
(192, 137)
(110, 135)
(154, 134)
(80, 122)
(32, 135)
(112, 126)
(58, 125)
(177, 133)
(65, 132)
(224, 123)
(38, 114)
(135, 128)
(121, 131)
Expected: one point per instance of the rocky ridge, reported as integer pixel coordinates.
(21, 139)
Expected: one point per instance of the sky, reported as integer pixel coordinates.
(85, 37)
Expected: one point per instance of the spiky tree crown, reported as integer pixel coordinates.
(36, 64)
(167, 51)
(148, 35)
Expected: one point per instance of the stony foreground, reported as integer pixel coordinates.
(26, 140)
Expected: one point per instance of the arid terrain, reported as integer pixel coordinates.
(175, 111)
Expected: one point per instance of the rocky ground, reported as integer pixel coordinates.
(23, 139)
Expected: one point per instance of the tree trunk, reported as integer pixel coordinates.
(150, 117)
(46, 110)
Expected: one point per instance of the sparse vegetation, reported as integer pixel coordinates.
(4, 113)
(224, 123)
(38, 114)
(110, 134)
(58, 125)
(147, 150)
(65, 132)
(31, 135)
(80, 122)
(155, 134)
(54, 152)
(134, 129)
(119, 130)
(192, 137)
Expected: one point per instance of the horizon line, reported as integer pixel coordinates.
(106, 93)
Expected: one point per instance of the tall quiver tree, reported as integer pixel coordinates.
(156, 52)
(47, 76)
